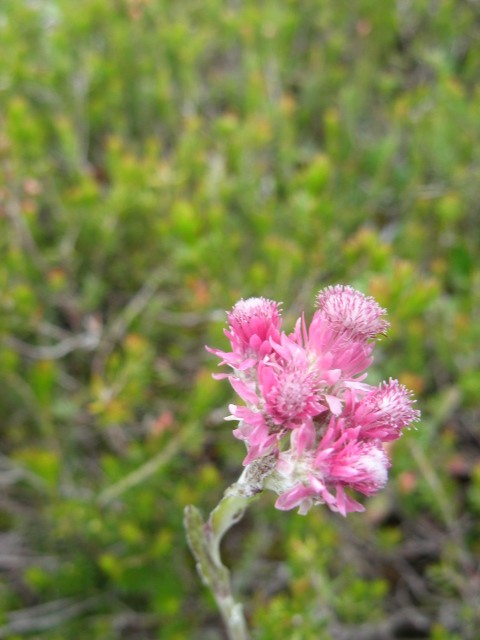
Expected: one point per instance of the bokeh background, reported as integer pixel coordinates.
(158, 161)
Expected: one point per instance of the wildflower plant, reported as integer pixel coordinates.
(314, 429)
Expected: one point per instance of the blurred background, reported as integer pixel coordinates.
(158, 161)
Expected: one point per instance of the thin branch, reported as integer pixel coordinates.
(46, 616)
(84, 342)
(146, 470)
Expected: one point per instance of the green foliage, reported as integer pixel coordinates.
(159, 160)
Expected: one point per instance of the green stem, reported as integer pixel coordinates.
(204, 539)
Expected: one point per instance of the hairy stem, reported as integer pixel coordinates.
(204, 539)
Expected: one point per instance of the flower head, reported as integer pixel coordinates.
(349, 312)
(306, 404)
(252, 323)
(321, 476)
(289, 390)
(359, 464)
(385, 411)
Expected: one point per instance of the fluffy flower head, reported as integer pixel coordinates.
(306, 404)
(321, 477)
(359, 464)
(385, 411)
(351, 313)
(289, 389)
(252, 323)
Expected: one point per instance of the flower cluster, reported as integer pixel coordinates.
(306, 403)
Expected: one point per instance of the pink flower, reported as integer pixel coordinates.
(283, 397)
(385, 411)
(361, 465)
(351, 313)
(254, 430)
(290, 390)
(252, 324)
(301, 496)
(306, 401)
(341, 460)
